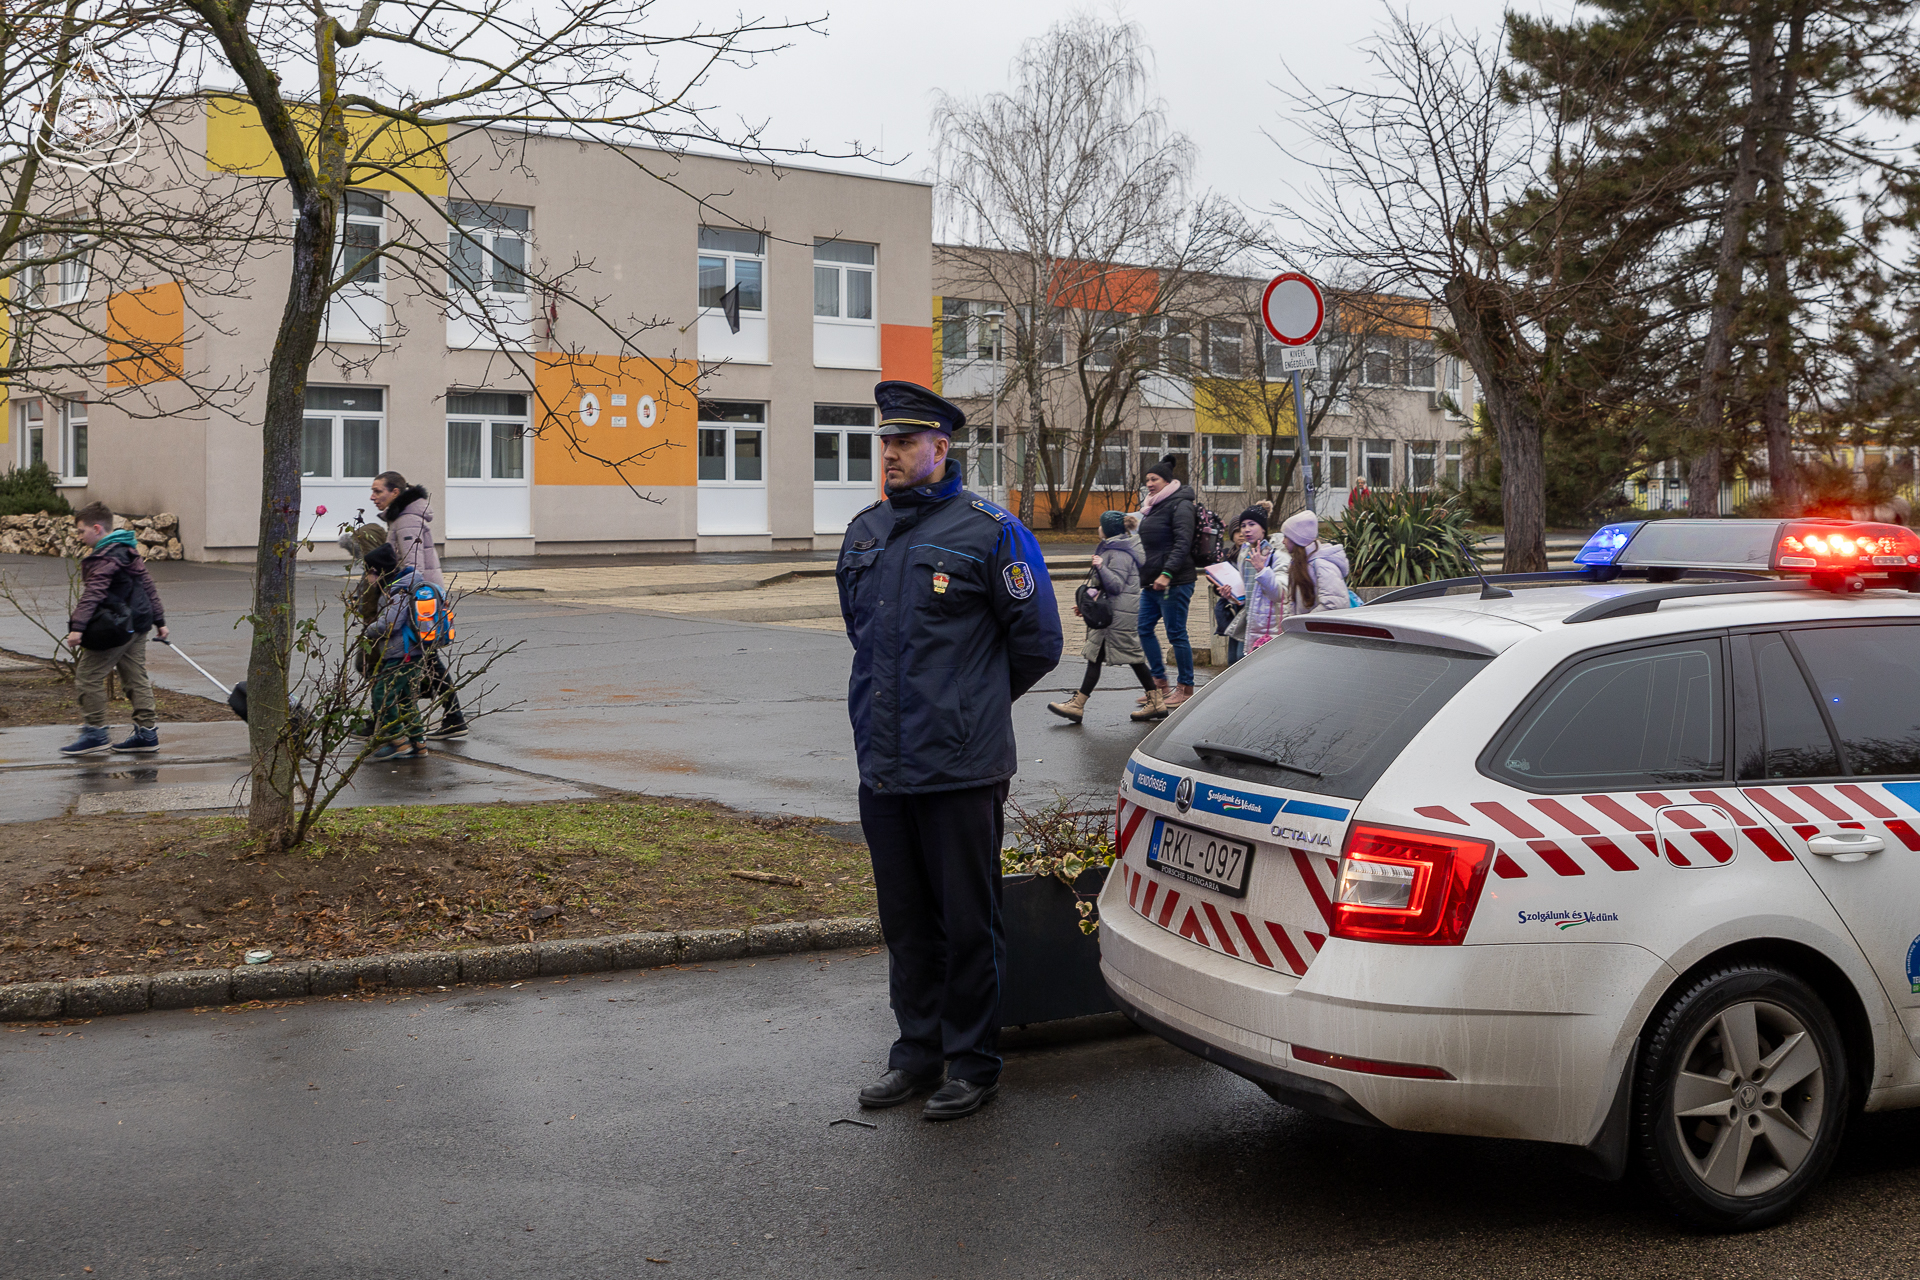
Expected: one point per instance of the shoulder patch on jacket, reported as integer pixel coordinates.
(1019, 579)
(991, 510)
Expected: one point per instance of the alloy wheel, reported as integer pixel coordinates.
(1748, 1100)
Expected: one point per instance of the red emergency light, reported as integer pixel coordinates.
(1823, 547)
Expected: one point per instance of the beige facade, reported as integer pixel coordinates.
(629, 418)
(1397, 413)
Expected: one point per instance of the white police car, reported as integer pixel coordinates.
(1633, 868)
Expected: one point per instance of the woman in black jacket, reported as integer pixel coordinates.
(1167, 522)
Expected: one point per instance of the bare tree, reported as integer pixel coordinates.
(1416, 173)
(1068, 201)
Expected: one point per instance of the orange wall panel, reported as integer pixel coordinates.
(584, 436)
(146, 336)
(1088, 286)
(906, 353)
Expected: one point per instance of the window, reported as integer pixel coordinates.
(1332, 354)
(1175, 344)
(1420, 364)
(343, 432)
(843, 279)
(487, 247)
(1644, 718)
(73, 439)
(1376, 365)
(729, 258)
(1450, 465)
(843, 445)
(1224, 343)
(66, 279)
(955, 318)
(732, 442)
(363, 229)
(1376, 463)
(1054, 351)
(75, 271)
(1222, 462)
(1341, 707)
(1422, 460)
(1329, 455)
(1155, 445)
(1869, 683)
(978, 456)
(1111, 470)
(33, 432)
(1797, 742)
(1456, 407)
(1105, 331)
(486, 436)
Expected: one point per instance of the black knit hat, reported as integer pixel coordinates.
(1162, 468)
(382, 560)
(1256, 514)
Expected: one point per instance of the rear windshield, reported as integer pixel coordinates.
(1338, 709)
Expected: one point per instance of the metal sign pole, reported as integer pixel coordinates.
(1300, 428)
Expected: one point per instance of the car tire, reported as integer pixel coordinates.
(1741, 1097)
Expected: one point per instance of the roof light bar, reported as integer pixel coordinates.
(1607, 543)
(1849, 547)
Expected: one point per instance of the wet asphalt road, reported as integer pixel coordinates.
(583, 1127)
(747, 714)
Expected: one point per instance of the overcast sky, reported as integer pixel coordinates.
(873, 76)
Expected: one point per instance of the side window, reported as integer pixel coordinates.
(1643, 718)
(1797, 743)
(1869, 683)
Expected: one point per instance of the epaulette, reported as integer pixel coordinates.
(991, 510)
(870, 506)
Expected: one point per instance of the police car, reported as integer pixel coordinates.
(1628, 861)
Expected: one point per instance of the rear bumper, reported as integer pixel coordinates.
(1315, 1096)
(1536, 1036)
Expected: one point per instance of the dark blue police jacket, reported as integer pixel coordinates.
(952, 617)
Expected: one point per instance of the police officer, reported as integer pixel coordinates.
(947, 602)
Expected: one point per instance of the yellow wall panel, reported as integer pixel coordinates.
(390, 156)
(587, 416)
(1233, 408)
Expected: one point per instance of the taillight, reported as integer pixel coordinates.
(1416, 887)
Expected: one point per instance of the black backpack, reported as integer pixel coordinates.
(120, 616)
(1210, 541)
(1095, 609)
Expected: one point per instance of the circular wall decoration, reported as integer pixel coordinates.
(645, 413)
(589, 408)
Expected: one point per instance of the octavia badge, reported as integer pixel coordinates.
(1183, 795)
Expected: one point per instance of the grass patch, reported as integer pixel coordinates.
(128, 894)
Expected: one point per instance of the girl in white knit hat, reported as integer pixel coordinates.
(1317, 571)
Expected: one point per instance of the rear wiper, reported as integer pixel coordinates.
(1250, 756)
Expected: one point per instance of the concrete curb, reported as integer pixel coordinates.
(186, 989)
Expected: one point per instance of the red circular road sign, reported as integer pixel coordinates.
(1293, 309)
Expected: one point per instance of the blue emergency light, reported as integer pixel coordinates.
(1607, 542)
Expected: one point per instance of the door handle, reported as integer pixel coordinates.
(1840, 844)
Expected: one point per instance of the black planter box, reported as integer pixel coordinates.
(1053, 969)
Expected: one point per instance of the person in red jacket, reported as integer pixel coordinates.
(107, 631)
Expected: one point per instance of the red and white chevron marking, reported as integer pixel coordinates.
(1178, 908)
(1575, 835)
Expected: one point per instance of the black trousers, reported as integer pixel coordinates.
(936, 865)
(437, 687)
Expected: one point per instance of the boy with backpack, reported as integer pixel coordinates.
(108, 631)
(413, 621)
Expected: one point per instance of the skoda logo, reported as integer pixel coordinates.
(1183, 795)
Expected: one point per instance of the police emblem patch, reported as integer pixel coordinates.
(940, 581)
(1019, 579)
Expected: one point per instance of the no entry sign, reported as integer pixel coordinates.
(1293, 309)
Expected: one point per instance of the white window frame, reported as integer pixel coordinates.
(1148, 454)
(1423, 451)
(1372, 448)
(1421, 351)
(74, 441)
(844, 270)
(1212, 448)
(1377, 348)
(733, 431)
(337, 438)
(843, 456)
(489, 296)
(1110, 470)
(1455, 408)
(731, 258)
(489, 424)
(31, 418)
(357, 311)
(1321, 455)
(76, 273)
(1226, 333)
(1452, 464)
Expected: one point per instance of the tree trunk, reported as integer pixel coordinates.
(1479, 320)
(1033, 432)
(1716, 360)
(1783, 477)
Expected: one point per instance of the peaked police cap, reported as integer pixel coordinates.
(907, 407)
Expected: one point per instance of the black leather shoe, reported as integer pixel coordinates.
(895, 1087)
(958, 1098)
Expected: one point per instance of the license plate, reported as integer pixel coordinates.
(1200, 857)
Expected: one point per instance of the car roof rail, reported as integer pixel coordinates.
(1650, 598)
(1440, 587)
